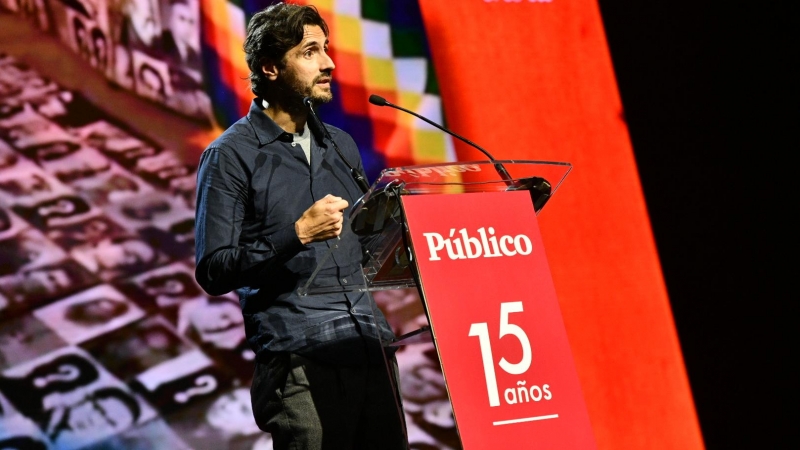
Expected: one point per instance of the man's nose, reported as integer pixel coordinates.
(327, 63)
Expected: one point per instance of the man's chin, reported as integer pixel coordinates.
(321, 97)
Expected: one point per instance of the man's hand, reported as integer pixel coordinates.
(322, 221)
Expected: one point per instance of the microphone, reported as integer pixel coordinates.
(359, 179)
(380, 101)
(539, 188)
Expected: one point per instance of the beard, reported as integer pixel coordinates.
(294, 90)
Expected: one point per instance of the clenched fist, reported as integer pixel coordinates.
(322, 221)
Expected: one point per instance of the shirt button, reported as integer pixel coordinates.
(353, 310)
(294, 144)
(344, 280)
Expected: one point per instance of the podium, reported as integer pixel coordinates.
(466, 236)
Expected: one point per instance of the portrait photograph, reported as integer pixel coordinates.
(151, 435)
(27, 130)
(158, 209)
(176, 242)
(162, 168)
(88, 232)
(18, 432)
(115, 256)
(88, 39)
(72, 399)
(102, 133)
(41, 94)
(83, 163)
(24, 338)
(27, 250)
(151, 77)
(116, 143)
(138, 347)
(113, 185)
(88, 314)
(217, 326)
(28, 289)
(28, 184)
(224, 420)
(212, 321)
(163, 289)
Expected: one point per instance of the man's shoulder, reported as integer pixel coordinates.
(238, 136)
(336, 131)
(341, 137)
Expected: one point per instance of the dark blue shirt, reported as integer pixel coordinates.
(252, 186)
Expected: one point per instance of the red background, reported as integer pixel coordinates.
(535, 81)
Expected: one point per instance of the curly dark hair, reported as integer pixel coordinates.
(271, 33)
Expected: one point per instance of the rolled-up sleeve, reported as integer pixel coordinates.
(223, 263)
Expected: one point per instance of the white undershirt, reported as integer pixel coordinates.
(304, 139)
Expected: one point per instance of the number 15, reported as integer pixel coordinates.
(482, 331)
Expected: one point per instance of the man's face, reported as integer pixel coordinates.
(182, 22)
(42, 282)
(307, 66)
(143, 19)
(233, 412)
(27, 185)
(171, 287)
(219, 323)
(80, 164)
(113, 255)
(101, 310)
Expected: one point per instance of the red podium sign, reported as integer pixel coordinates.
(496, 322)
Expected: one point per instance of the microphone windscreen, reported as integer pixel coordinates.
(377, 100)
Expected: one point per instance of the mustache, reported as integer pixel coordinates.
(326, 74)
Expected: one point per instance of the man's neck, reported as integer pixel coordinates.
(289, 119)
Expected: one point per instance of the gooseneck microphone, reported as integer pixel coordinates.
(380, 101)
(360, 180)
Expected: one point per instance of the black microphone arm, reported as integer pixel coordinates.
(359, 179)
(380, 101)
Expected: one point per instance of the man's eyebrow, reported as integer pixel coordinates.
(313, 43)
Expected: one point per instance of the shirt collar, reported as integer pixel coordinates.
(268, 131)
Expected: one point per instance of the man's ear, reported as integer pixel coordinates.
(269, 69)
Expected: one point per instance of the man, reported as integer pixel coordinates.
(115, 256)
(181, 38)
(95, 312)
(271, 199)
(100, 414)
(212, 321)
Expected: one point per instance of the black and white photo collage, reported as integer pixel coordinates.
(106, 340)
(150, 47)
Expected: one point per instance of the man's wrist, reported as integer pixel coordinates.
(298, 229)
(285, 241)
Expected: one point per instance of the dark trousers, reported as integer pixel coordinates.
(306, 404)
